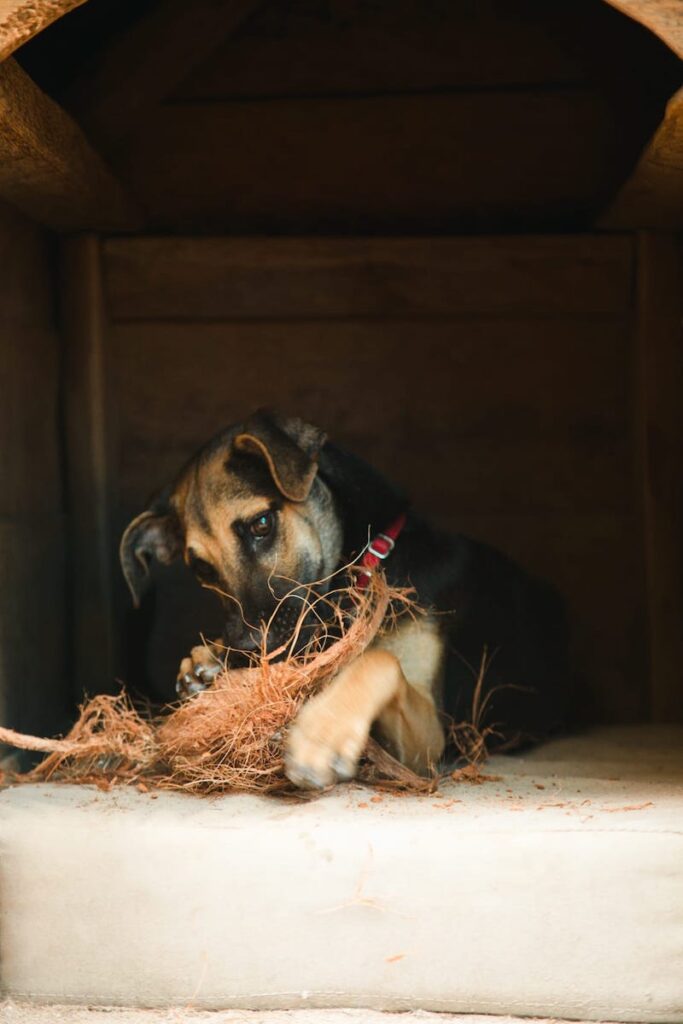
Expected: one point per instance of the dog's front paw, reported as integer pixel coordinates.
(198, 670)
(324, 743)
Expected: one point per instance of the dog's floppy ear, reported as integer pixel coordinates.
(288, 446)
(155, 533)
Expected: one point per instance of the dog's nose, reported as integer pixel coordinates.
(247, 641)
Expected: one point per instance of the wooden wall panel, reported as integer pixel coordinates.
(397, 45)
(33, 691)
(660, 460)
(377, 118)
(87, 438)
(514, 395)
(161, 278)
(379, 164)
(491, 377)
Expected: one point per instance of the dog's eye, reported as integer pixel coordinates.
(204, 572)
(262, 525)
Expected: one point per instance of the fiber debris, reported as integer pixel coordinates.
(230, 736)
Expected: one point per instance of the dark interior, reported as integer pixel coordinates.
(408, 221)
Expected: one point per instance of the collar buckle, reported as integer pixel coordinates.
(374, 555)
(387, 540)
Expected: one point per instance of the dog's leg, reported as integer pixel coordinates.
(330, 732)
(200, 668)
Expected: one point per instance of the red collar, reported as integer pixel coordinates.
(379, 548)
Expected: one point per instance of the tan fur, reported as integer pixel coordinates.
(419, 646)
(303, 526)
(393, 686)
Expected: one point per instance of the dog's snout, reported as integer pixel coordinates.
(239, 637)
(254, 627)
(249, 642)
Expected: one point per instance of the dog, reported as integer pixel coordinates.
(270, 507)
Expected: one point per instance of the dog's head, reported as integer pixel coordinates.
(252, 520)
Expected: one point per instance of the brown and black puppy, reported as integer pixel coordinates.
(269, 508)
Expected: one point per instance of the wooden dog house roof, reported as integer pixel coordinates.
(249, 116)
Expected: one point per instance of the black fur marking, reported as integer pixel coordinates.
(486, 601)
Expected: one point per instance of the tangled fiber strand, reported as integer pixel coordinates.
(470, 738)
(110, 740)
(229, 736)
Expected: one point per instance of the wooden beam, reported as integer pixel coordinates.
(21, 20)
(663, 17)
(653, 195)
(86, 421)
(660, 448)
(145, 64)
(47, 167)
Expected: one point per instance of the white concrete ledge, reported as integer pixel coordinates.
(26, 1013)
(554, 891)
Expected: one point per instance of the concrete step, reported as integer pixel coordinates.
(27, 1013)
(553, 889)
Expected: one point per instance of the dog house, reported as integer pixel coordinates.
(449, 233)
